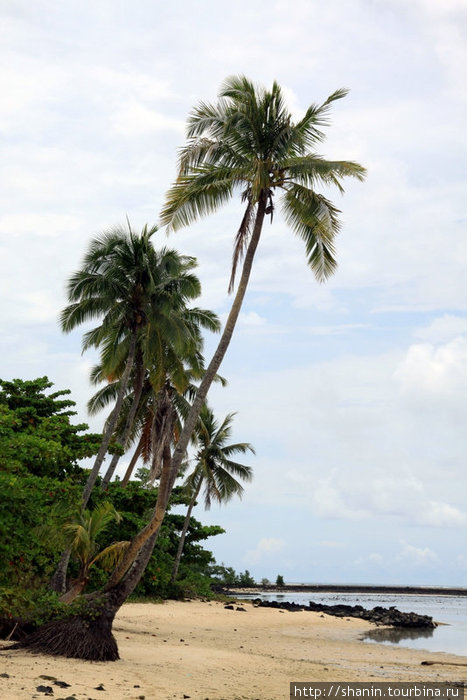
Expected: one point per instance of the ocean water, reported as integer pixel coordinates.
(450, 612)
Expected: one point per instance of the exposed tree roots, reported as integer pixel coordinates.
(75, 638)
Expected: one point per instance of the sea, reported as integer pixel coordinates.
(449, 611)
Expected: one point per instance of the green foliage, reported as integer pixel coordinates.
(41, 605)
(41, 486)
(26, 558)
(31, 605)
(135, 503)
(279, 580)
(36, 435)
(226, 576)
(247, 142)
(246, 579)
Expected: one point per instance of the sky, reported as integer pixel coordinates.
(353, 393)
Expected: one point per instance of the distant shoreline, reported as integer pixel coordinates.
(343, 588)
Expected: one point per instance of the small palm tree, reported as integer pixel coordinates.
(214, 472)
(81, 534)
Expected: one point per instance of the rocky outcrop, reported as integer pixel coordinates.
(390, 617)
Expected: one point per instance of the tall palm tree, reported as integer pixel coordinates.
(248, 142)
(245, 142)
(214, 470)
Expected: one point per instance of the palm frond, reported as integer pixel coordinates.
(315, 220)
(111, 556)
(197, 194)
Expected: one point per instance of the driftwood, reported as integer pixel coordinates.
(443, 663)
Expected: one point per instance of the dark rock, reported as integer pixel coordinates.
(99, 687)
(45, 689)
(62, 684)
(229, 607)
(4, 675)
(389, 617)
(241, 609)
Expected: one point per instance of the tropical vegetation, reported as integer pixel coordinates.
(214, 471)
(150, 342)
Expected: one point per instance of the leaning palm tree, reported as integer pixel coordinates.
(246, 142)
(214, 470)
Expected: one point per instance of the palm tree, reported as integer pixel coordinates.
(170, 355)
(214, 470)
(248, 142)
(136, 291)
(131, 287)
(82, 533)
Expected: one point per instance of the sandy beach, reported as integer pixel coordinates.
(202, 651)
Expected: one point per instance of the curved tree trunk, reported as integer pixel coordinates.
(93, 639)
(74, 591)
(186, 524)
(131, 466)
(111, 423)
(168, 479)
(58, 580)
(138, 388)
(211, 371)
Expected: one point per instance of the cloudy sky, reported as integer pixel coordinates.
(353, 392)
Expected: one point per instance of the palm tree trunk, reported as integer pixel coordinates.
(111, 423)
(166, 483)
(186, 524)
(100, 644)
(169, 475)
(74, 591)
(128, 426)
(219, 354)
(131, 466)
(58, 580)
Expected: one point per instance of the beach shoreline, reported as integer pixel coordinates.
(204, 651)
(346, 588)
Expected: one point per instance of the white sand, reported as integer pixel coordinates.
(202, 651)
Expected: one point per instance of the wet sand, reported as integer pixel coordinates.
(203, 651)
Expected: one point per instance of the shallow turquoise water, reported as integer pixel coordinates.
(451, 611)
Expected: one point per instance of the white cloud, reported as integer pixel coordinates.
(430, 370)
(442, 329)
(266, 547)
(137, 119)
(417, 556)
